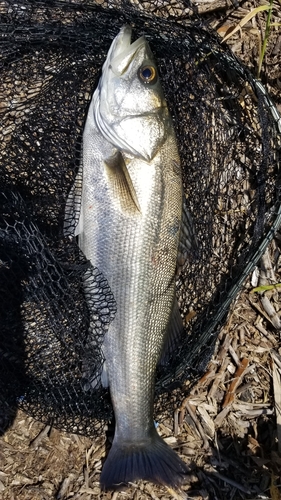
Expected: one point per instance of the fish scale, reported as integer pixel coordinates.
(129, 227)
(139, 348)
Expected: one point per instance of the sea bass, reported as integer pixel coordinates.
(129, 228)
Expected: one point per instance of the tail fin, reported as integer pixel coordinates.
(153, 461)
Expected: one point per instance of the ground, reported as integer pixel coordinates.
(228, 426)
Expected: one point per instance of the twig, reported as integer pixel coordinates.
(260, 310)
(64, 486)
(223, 351)
(267, 334)
(233, 355)
(229, 398)
(221, 416)
(229, 481)
(198, 425)
(218, 378)
(270, 310)
(267, 273)
(44, 433)
(212, 7)
(205, 380)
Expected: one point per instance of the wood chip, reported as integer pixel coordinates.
(263, 330)
(37, 441)
(267, 274)
(221, 416)
(268, 314)
(177, 495)
(65, 486)
(219, 377)
(233, 355)
(208, 421)
(198, 425)
(229, 398)
(276, 374)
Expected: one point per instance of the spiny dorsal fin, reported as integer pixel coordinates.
(121, 183)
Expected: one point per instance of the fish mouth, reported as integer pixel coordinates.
(122, 50)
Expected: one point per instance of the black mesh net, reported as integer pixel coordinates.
(228, 133)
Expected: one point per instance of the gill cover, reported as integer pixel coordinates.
(130, 108)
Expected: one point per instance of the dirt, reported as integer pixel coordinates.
(227, 427)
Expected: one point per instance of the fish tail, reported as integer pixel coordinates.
(153, 461)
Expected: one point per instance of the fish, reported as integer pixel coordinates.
(131, 215)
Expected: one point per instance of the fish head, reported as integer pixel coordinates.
(130, 108)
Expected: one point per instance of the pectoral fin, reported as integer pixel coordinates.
(188, 244)
(121, 183)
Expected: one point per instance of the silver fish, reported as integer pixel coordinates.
(129, 227)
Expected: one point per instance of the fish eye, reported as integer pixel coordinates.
(147, 74)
